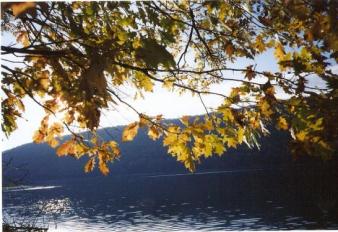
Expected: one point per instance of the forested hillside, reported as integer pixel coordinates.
(143, 156)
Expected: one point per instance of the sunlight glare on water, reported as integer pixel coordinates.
(169, 203)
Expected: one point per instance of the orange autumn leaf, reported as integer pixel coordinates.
(66, 148)
(130, 132)
(89, 165)
(20, 8)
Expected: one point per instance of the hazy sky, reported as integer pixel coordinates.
(169, 104)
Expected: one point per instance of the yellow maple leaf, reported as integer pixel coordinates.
(144, 81)
(282, 123)
(318, 125)
(207, 150)
(227, 114)
(232, 142)
(44, 82)
(301, 135)
(219, 149)
(168, 84)
(144, 120)
(23, 38)
(38, 136)
(136, 43)
(89, 165)
(130, 132)
(154, 133)
(103, 167)
(122, 36)
(240, 135)
(169, 139)
(265, 108)
(172, 135)
(190, 165)
(53, 142)
(259, 44)
(66, 148)
(279, 51)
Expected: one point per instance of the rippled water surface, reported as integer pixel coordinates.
(214, 201)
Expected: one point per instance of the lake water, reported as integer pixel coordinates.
(238, 200)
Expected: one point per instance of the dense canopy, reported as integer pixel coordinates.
(71, 58)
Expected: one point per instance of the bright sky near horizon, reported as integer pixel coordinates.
(169, 104)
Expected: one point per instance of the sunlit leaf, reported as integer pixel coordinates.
(66, 148)
(154, 133)
(282, 123)
(130, 132)
(89, 165)
(20, 8)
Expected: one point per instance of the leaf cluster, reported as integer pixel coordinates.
(76, 56)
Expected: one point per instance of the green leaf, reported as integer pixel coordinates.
(154, 54)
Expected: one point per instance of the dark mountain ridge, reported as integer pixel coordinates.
(39, 162)
(141, 156)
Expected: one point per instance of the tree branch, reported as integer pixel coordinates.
(42, 52)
